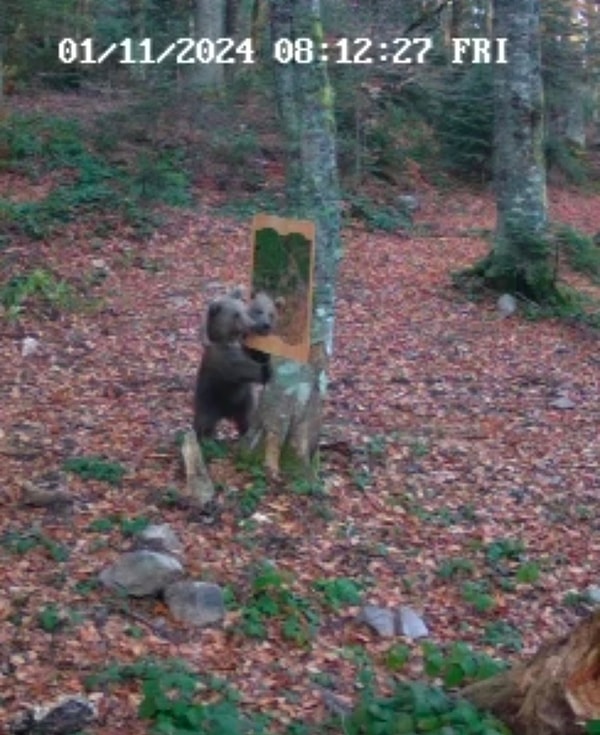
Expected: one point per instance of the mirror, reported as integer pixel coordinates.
(282, 265)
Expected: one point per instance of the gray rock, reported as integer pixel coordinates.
(143, 572)
(409, 203)
(562, 403)
(161, 537)
(593, 593)
(29, 346)
(66, 717)
(380, 619)
(411, 624)
(507, 304)
(196, 603)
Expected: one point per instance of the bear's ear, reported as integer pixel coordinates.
(237, 293)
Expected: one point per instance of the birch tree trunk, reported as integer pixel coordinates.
(289, 414)
(521, 260)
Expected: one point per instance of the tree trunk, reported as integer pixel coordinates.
(209, 23)
(552, 694)
(289, 413)
(521, 260)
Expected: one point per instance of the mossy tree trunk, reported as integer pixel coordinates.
(209, 22)
(289, 415)
(553, 694)
(520, 261)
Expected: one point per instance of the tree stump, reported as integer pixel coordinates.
(555, 693)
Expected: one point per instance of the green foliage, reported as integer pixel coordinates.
(504, 549)
(528, 573)
(375, 216)
(161, 178)
(339, 592)
(214, 449)
(575, 599)
(134, 526)
(477, 594)
(592, 727)
(103, 525)
(396, 657)
(18, 542)
(581, 251)
(271, 598)
(36, 286)
(128, 526)
(455, 567)
(460, 665)
(180, 701)
(95, 468)
(89, 184)
(465, 121)
(51, 618)
(416, 708)
(503, 635)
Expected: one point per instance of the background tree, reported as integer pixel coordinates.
(520, 261)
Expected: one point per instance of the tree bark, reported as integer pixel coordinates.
(289, 413)
(553, 694)
(209, 23)
(519, 173)
(520, 261)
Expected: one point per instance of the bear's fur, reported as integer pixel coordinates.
(228, 369)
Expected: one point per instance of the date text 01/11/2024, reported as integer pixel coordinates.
(300, 51)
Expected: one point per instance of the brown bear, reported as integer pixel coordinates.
(224, 384)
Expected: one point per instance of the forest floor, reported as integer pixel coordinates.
(441, 437)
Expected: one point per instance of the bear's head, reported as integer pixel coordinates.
(228, 319)
(263, 310)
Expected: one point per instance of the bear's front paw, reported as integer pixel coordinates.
(266, 372)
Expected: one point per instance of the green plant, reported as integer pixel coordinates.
(528, 573)
(420, 448)
(396, 657)
(375, 216)
(213, 449)
(477, 594)
(580, 251)
(134, 526)
(465, 115)
(339, 592)
(416, 708)
(459, 665)
(271, 598)
(38, 284)
(504, 549)
(455, 567)
(575, 599)
(23, 541)
(95, 468)
(503, 635)
(51, 618)
(158, 177)
(180, 701)
(103, 525)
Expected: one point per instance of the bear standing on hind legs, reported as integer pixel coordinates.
(228, 369)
